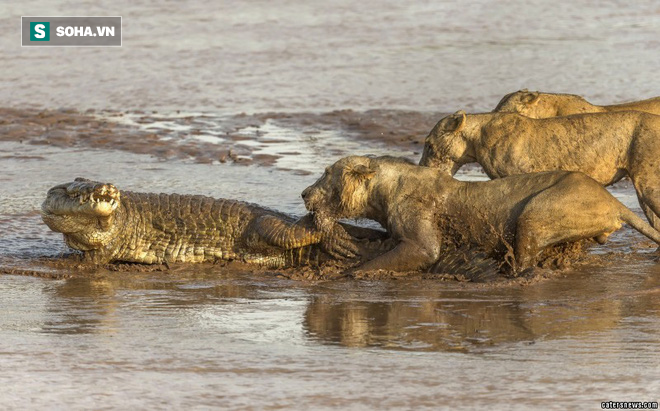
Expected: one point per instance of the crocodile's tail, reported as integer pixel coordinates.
(297, 257)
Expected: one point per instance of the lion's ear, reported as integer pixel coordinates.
(457, 121)
(524, 90)
(531, 98)
(361, 172)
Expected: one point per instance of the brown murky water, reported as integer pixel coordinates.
(203, 337)
(234, 56)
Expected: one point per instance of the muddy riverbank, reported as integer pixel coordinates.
(261, 139)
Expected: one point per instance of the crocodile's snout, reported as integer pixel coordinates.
(93, 192)
(82, 196)
(105, 192)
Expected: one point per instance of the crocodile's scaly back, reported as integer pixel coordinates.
(162, 228)
(182, 228)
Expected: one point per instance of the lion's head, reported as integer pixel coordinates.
(446, 147)
(342, 190)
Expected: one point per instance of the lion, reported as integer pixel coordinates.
(543, 105)
(605, 146)
(528, 212)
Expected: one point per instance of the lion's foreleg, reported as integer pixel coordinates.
(406, 256)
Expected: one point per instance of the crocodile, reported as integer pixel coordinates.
(109, 225)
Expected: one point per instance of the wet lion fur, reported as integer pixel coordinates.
(519, 216)
(537, 104)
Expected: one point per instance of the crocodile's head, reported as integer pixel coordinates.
(84, 211)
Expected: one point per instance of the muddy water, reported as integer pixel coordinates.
(207, 339)
(202, 337)
(290, 55)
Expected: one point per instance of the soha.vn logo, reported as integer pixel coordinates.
(84, 31)
(71, 31)
(39, 31)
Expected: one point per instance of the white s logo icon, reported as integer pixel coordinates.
(39, 31)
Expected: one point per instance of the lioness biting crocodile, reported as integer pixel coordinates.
(529, 211)
(113, 226)
(543, 105)
(605, 146)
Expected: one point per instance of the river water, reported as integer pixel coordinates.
(291, 55)
(204, 337)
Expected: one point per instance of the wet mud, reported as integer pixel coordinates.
(207, 138)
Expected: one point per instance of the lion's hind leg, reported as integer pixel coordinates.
(576, 208)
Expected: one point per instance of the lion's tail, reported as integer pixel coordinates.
(638, 224)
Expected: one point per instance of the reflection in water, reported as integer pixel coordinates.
(419, 315)
(83, 306)
(91, 305)
(434, 318)
(430, 325)
(218, 336)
